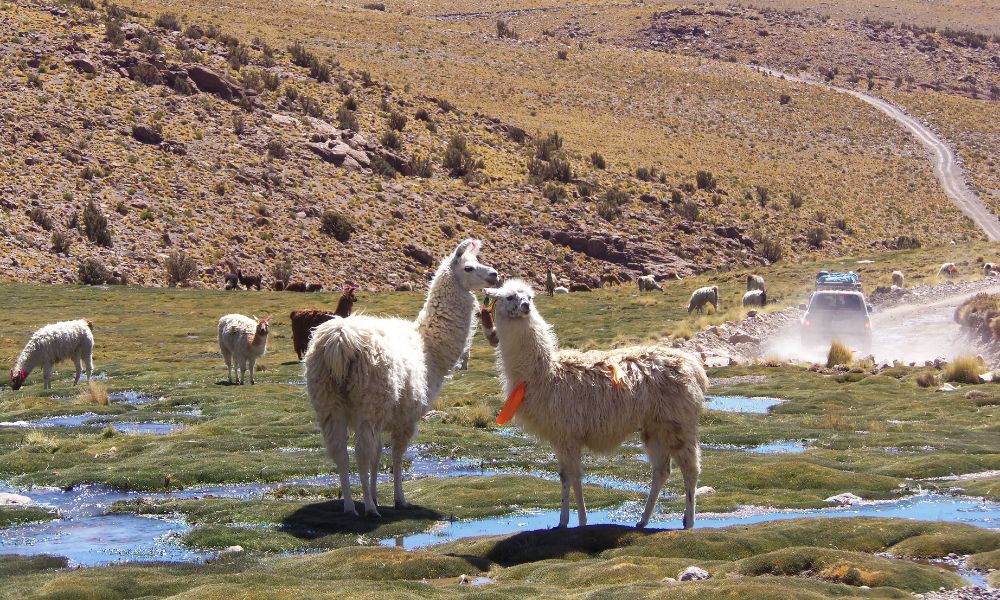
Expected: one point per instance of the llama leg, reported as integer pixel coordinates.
(659, 462)
(253, 364)
(79, 370)
(569, 471)
(688, 458)
(47, 377)
(377, 458)
(581, 506)
(365, 440)
(335, 434)
(229, 364)
(89, 363)
(241, 375)
(399, 443)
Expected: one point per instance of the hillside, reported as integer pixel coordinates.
(209, 140)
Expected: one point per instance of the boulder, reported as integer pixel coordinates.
(977, 395)
(210, 82)
(845, 499)
(10, 499)
(693, 574)
(579, 287)
(80, 63)
(147, 134)
(742, 338)
(419, 254)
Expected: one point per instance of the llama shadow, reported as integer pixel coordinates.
(314, 521)
(290, 363)
(544, 544)
(225, 382)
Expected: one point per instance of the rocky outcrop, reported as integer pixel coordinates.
(211, 82)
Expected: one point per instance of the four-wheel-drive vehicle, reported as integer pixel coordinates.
(837, 314)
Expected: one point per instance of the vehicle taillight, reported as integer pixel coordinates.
(868, 324)
(807, 323)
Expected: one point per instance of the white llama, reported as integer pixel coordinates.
(596, 399)
(371, 375)
(52, 344)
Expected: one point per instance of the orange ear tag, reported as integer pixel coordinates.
(615, 374)
(511, 405)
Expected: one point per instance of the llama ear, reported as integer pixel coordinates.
(466, 246)
(492, 293)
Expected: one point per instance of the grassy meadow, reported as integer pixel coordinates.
(872, 435)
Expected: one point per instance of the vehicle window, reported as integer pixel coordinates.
(849, 302)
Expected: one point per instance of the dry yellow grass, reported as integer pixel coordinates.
(93, 393)
(964, 369)
(840, 354)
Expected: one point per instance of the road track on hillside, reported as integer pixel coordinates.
(946, 167)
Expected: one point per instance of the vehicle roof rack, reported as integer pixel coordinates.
(828, 280)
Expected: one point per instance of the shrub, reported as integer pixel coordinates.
(375, 6)
(705, 180)
(270, 80)
(238, 55)
(458, 159)
(839, 354)
(40, 218)
(905, 242)
(338, 226)
(168, 21)
(390, 139)
(146, 74)
(504, 30)
(180, 268)
(598, 161)
(250, 78)
(516, 134)
(93, 272)
(183, 86)
(763, 196)
(610, 206)
(422, 115)
(73, 220)
(347, 119)
(795, 201)
(422, 167)
(964, 369)
(444, 105)
(113, 33)
(688, 209)
(310, 106)
(282, 271)
(645, 173)
(585, 188)
(300, 56)
(239, 124)
(61, 242)
(382, 167)
(771, 249)
(193, 32)
(816, 236)
(553, 192)
(784, 99)
(319, 70)
(95, 225)
(397, 121)
(562, 55)
(546, 147)
(927, 379)
(840, 224)
(345, 87)
(276, 149)
(150, 44)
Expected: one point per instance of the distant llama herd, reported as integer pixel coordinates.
(374, 376)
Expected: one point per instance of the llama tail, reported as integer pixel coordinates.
(334, 353)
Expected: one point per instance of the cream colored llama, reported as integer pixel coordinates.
(371, 375)
(596, 399)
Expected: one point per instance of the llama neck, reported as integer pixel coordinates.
(26, 361)
(257, 341)
(527, 347)
(445, 325)
(344, 307)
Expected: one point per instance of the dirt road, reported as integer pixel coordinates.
(946, 167)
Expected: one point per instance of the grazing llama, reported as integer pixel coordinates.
(242, 340)
(596, 399)
(371, 374)
(52, 344)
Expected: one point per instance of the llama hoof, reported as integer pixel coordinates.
(640, 525)
(372, 514)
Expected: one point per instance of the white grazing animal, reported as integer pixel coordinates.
(647, 283)
(703, 296)
(755, 298)
(242, 340)
(597, 399)
(371, 374)
(53, 344)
